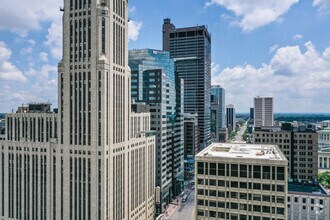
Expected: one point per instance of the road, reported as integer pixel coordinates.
(184, 210)
(238, 137)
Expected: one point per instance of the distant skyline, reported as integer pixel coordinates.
(267, 48)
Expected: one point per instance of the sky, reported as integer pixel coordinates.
(267, 48)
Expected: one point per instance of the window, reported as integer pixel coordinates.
(256, 172)
(213, 169)
(280, 173)
(221, 169)
(243, 171)
(234, 170)
(266, 172)
(200, 166)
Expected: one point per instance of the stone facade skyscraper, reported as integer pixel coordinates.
(95, 159)
(263, 111)
(191, 50)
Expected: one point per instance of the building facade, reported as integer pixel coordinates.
(231, 118)
(235, 181)
(191, 50)
(217, 111)
(154, 83)
(324, 148)
(308, 201)
(82, 163)
(299, 147)
(191, 144)
(263, 111)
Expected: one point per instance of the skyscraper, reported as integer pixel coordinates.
(217, 111)
(231, 118)
(191, 50)
(154, 83)
(92, 160)
(263, 111)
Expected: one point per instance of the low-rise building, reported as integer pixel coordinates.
(308, 202)
(239, 181)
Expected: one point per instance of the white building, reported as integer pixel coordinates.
(308, 202)
(239, 181)
(94, 159)
(263, 111)
(324, 148)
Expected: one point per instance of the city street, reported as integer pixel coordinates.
(183, 210)
(238, 137)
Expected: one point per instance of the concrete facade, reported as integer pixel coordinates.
(308, 202)
(86, 162)
(263, 111)
(299, 147)
(237, 181)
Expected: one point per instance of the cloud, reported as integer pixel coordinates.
(298, 78)
(322, 4)
(273, 48)
(26, 50)
(253, 14)
(8, 71)
(297, 37)
(23, 16)
(131, 9)
(43, 56)
(134, 28)
(54, 40)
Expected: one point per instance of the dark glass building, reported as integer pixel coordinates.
(154, 83)
(191, 50)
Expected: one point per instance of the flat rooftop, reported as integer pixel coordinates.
(247, 151)
(306, 188)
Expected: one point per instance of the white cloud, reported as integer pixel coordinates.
(273, 48)
(8, 71)
(26, 50)
(256, 13)
(297, 37)
(131, 9)
(23, 16)
(43, 56)
(322, 4)
(134, 28)
(299, 80)
(54, 40)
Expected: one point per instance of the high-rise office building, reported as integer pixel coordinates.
(235, 181)
(220, 93)
(94, 159)
(231, 118)
(263, 111)
(154, 83)
(298, 145)
(191, 50)
(217, 111)
(324, 148)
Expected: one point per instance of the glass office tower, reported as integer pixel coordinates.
(154, 83)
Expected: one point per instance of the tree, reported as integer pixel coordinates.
(324, 178)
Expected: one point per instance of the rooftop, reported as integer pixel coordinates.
(306, 188)
(247, 151)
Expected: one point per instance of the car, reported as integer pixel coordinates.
(182, 194)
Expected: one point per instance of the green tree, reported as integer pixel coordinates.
(324, 178)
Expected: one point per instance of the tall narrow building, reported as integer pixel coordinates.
(217, 111)
(263, 111)
(191, 50)
(154, 83)
(95, 159)
(231, 118)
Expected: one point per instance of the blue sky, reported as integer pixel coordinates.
(278, 48)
